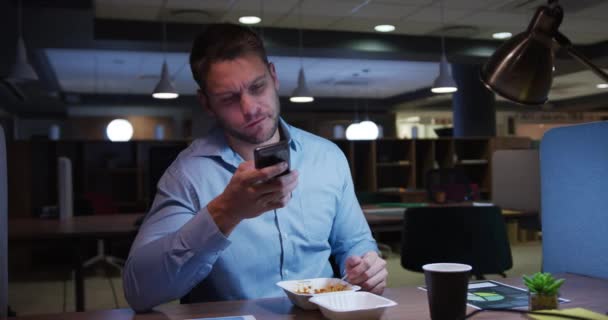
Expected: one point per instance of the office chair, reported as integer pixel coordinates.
(574, 180)
(475, 236)
(453, 182)
(102, 204)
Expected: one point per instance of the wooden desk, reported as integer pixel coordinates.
(584, 292)
(73, 233)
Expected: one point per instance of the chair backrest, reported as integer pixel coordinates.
(516, 179)
(574, 199)
(453, 182)
(466, 234)
(3, 228)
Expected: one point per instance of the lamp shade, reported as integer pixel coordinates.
(521, 69)
(301, 94)
(165, 89)
(22, 70)
(444, 83)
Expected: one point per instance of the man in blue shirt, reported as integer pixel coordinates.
(221, 229)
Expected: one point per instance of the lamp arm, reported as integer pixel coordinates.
(565, 43)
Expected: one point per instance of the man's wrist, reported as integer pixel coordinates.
(224, 220)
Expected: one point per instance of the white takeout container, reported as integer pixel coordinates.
(301, 299)
(352, 305)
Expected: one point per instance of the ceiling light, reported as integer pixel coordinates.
(384, 28)
(444, 83)
(521, 69)
(164, 88)
(250, 20)
(602, 85)
(22, 70)
(301, 94)
(119, 130)
(502, 35)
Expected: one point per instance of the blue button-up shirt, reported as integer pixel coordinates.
(179, 246)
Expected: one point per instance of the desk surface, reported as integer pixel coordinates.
(95, 226)
(584, 292)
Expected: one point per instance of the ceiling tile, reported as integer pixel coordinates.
(433, 14)
(383, 11)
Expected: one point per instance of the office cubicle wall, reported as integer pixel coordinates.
(516, 179)
(574, 182)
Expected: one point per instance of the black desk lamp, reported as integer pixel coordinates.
(521, 70)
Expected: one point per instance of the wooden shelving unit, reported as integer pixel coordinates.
(118, 171)
(400, 165)
(127, 172)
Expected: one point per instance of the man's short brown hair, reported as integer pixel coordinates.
(223, 41)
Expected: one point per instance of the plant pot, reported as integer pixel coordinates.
(542, 302)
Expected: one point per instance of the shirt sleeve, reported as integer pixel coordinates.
(175, 247)
(350, 233)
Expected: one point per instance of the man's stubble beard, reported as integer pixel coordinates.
(252, 140)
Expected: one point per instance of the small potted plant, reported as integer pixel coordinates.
(543, 290)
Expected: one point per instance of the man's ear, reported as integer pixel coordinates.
(203, 100)
(273, 75)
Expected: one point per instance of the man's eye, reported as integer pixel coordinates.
(257, 88)
(229, 99)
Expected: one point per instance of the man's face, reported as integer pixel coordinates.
(242, 95)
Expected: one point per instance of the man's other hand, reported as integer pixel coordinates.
(368, 271)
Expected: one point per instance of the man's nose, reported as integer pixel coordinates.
(248, 104)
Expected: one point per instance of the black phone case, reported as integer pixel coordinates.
(272, 154)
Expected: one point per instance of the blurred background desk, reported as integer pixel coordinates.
(389, 218)
(585, 292)
(73, 233)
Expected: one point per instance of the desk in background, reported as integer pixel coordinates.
(584, 292)
(389, 217)
(73, 233)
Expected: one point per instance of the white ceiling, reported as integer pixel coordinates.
(585, 23)
(131, 72)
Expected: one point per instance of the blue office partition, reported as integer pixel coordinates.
(574, 199)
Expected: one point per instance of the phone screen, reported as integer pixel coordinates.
(271, 154)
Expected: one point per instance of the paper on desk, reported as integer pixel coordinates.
(482, 204)
(578, 312)
(247, 317)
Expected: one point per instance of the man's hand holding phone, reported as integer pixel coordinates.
(252, 192)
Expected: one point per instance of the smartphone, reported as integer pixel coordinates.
(271, 154)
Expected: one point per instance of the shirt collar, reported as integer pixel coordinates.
(214, 144)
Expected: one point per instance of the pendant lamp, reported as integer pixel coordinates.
(165, 88)
(444, 83)
(22, 70)
(301, 94)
